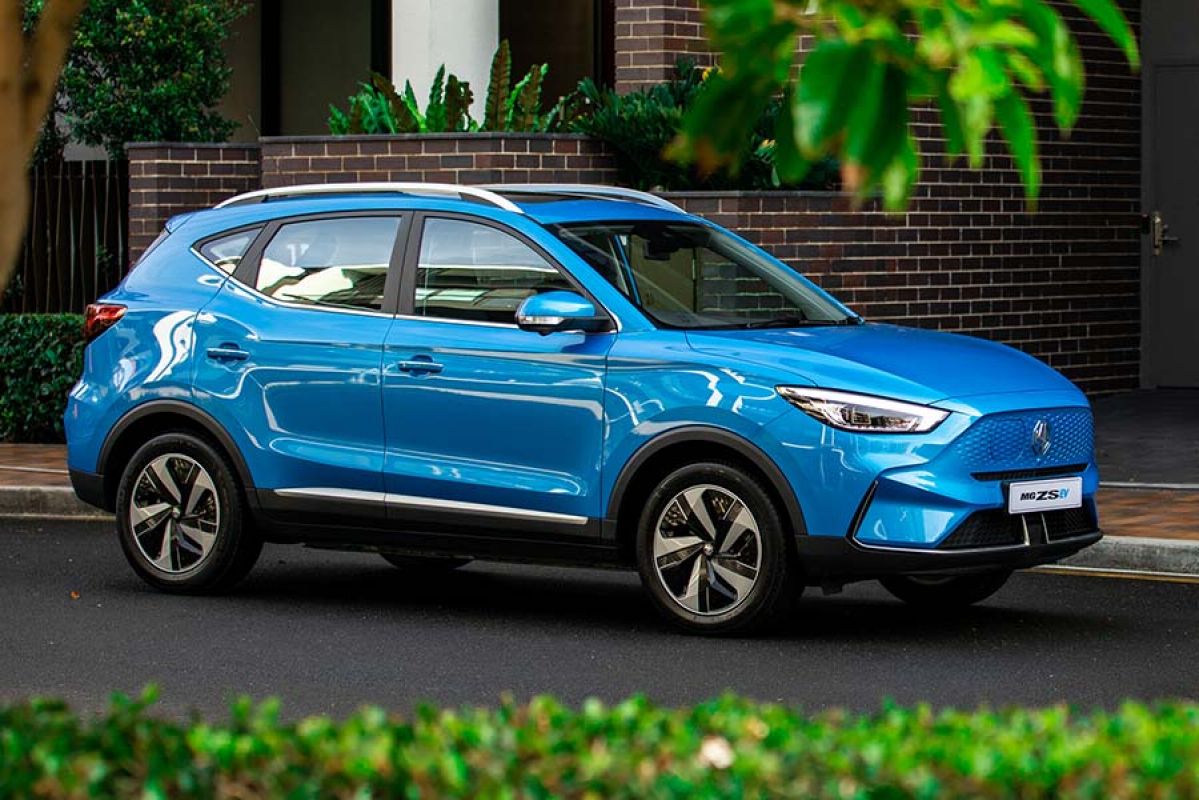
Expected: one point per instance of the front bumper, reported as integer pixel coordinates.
(830, 559)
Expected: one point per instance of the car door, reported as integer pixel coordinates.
(489, 426)
(289, 357)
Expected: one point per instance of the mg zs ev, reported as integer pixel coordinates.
(565, 374)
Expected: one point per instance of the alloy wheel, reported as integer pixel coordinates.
(707, 550)
(174, 513)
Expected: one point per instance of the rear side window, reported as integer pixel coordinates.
(226, 252)
(470, 271)
(341, 263)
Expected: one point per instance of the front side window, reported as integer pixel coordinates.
(475, 272)
(341, 263)
(226, 252)
(686, 275)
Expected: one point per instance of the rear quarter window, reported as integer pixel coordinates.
(225, 252)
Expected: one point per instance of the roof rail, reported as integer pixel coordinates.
(585, 190)
(426, 189)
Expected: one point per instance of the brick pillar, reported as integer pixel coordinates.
(651, 35)
(168, 178)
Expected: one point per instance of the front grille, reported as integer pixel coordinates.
(1002, 443)
(997, 528)
(1029, 474)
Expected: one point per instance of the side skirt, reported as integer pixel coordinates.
(374, 521)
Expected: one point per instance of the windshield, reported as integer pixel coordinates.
(685, 275)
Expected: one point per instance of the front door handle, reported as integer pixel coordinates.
(420, 366)
(227, 352)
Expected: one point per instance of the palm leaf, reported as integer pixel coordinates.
(458, 98)
(494, 110)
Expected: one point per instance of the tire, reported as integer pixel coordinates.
(181, 518)
(431, 563)
(956, 591)
(725, 578)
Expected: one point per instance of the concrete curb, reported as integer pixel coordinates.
(52, 502)
(1119, 553)
(1133, 553)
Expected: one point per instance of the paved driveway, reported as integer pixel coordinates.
(329, 631)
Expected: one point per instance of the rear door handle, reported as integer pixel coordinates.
(227, 352)
(420, 366)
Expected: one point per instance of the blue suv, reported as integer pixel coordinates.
(564, 374)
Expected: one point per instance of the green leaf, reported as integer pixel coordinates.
(901, 174)
(435, 112)
(951, 121)
(1019, 130)
(458, 98)
(822, 100)
(498, 88)
(789, 163)
(1110, 18)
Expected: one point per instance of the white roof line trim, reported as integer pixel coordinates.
(586, 190)
(426, 189)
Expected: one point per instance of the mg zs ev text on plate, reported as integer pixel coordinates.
(569, 374)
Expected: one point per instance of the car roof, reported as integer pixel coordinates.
(545, 209)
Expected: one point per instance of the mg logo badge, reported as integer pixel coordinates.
(1041, 437)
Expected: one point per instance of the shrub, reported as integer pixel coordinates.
(725, 748)
(379, 108)
(41, 357)
(640, 127)
(146, 70)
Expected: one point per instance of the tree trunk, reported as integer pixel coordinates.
(29, 70)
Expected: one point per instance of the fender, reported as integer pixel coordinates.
(178, 408)
(702, 433)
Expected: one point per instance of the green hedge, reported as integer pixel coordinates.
(725, 748)
(41, 357)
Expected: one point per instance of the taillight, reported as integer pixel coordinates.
(100, 317)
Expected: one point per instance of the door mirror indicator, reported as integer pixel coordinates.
(555, 312)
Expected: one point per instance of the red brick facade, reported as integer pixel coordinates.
(651, 35)
(166, 179)
(438, 158)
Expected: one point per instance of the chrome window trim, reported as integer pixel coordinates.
(431, 504)
(482, 324)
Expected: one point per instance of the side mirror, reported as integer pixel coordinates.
(553, 312)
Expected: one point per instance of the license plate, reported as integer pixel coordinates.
(1033, 496)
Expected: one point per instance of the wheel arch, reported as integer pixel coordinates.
(160, 416)
(675, 447)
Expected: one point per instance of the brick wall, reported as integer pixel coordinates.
(170, 178)
(440, 158)
(651, 35)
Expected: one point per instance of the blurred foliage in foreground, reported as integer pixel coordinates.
(725, 748)
(871, 61)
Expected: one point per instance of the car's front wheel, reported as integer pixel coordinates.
(712, 550)
(944, 591)
(181, 519)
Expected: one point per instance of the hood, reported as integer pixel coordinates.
(904, 363)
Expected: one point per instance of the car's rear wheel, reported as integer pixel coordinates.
(712, 551)
(181, 518)
(432, 563)
(932, 591)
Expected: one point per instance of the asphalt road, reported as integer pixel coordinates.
(327, 632)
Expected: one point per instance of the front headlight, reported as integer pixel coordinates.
(862, 412)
